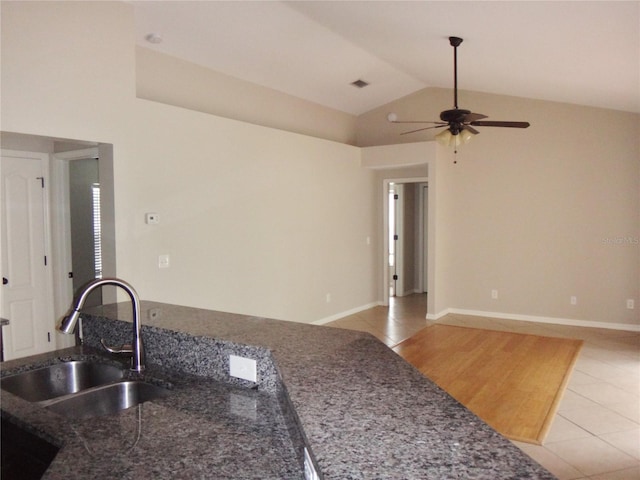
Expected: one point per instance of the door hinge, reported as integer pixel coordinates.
(395, 277)
(41, 181)
(49, 337)
(45, 260)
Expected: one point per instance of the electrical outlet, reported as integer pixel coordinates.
(574, 300)
(328, 298)
(631, 304)
(245, 368)
(494, 294)
(163, 261)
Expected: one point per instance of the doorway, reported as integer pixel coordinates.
(85, 224)
(406, 232)
(59, 287)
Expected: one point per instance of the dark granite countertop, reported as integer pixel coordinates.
(202, 426)
(360, 409)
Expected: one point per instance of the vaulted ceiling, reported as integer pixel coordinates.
(582, 52)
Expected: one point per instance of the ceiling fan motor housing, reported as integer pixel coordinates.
(457, 115)
(455, 118)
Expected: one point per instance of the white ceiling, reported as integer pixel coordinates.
(568, 51)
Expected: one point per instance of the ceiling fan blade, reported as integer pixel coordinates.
(493, 123)
(418, 121)
(471, 129)
(425, 128)
(472, 117)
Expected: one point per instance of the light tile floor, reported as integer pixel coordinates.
(596, 432)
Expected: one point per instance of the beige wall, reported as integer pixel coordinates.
(259, 220)
(256, 220)
(173, 81)
(537, 214)
(74, 79)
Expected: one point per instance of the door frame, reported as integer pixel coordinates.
(62, 235)
(423, 225)
(385, 237)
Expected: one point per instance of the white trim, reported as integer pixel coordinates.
(398, 165)
(398, 229)
(82, 154)
(423, 241)
(338, 316)
(63, 293)
(537, 319)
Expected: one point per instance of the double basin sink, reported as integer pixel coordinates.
(81, 388)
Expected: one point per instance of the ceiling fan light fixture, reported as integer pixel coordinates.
(447, 139)
(444, 138)
(466, 136)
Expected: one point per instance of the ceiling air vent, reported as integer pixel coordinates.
(359, 83)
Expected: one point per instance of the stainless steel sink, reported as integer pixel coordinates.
(60, 379)
(106, 400)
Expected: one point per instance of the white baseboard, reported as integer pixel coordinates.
(533, 318)
(506, 316)
(337, 316)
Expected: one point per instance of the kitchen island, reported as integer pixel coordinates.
(359, 410)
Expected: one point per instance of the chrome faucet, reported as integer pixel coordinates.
(70, 320)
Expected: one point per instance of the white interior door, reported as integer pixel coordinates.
(393, 240)
(26, 300)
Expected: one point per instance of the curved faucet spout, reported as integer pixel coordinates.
(69, 321)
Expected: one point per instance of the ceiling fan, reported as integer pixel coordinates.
(459, 122)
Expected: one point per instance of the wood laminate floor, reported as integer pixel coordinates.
(513, 381)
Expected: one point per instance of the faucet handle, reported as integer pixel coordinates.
(126, 348)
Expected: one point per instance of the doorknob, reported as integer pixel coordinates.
(5, 280)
